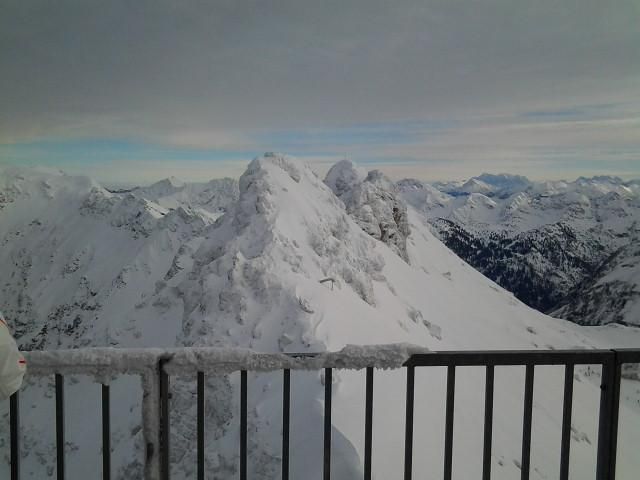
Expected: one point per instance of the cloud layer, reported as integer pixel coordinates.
(413, 81)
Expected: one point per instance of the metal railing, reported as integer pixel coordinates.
(157, 366)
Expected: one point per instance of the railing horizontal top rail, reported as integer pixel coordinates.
(521, 357)
(628, 355)
(186, 360)
(179, 361)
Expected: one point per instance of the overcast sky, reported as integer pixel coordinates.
(130, 91)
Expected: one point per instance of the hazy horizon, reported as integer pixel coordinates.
(321, 168)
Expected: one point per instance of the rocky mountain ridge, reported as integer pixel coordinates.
(544, 241)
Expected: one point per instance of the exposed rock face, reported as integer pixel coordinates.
(611, 294)
(558, 246)
(540, 266)
(343, 176)
(373, 203)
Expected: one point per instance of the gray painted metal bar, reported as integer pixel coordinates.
(14, 427)
(526, 424)
(60, 442)
(200, 422)
(448, 432)
(509, 357)
(488, 423)
(165, 467)
(328, 381)
(106, 433)
(286, 421)
(79, 362)
(604, 430)
(614, 421)
(243, 425)
(627, 355)
(565, 443)
(608, 421)
(408, 436)
(368, 423)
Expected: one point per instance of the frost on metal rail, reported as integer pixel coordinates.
(155, 367)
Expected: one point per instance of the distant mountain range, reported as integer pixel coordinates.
(242, 263)
(569, 249)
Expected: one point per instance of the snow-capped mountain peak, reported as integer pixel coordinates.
(343, 176)
(474, 185)
(505, 182)
(164, 187)
(373, 202)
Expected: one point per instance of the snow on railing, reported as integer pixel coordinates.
(103, 364)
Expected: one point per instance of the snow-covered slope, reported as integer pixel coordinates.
(83, 266)
(541, 240)
(78, 260)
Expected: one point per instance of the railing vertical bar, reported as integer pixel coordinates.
(615, 411)
(408, 436)
(243, 425)
(606, 406)
(286, 418)
(164, 423)
(14, 419)
(200, 421)
(488, 422)
(448, 433)
(565, 445)
(526, 423)
(60, 442)
(106, 433)
(328, 380)
(368, 423)
(608, 422)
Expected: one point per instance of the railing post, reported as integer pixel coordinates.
(488, 422)
(525, 463)
(567, 406)
(328, 383)
(449, 412)
(164, 420)
(150, 423)
(408, 434)
(243, 425)
(286, 414)
(14, 419)
(106, 433)
(368, 423)
(200, 422)
(60, 440)
(608, 422)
